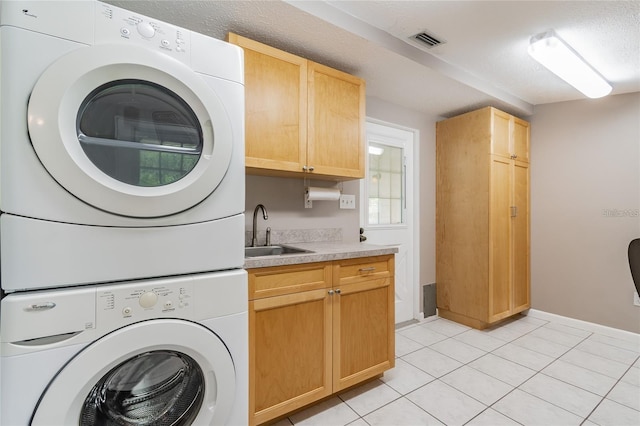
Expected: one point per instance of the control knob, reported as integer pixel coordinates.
(146, 30)
(148, 299)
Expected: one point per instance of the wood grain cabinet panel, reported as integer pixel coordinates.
(327, 326)
(302, 118)
(482, 217)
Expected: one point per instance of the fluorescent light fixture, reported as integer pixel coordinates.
(549, 49)
(375, 150)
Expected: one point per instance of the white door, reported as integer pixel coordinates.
(157, 372)
(129, 131)
(387, 206)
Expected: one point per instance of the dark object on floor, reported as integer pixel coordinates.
(634, 262)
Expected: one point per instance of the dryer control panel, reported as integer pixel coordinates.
(115, 25)
(143, 300)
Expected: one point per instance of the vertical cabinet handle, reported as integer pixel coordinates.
(514, 211)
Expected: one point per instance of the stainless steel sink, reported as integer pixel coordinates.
(272, 251)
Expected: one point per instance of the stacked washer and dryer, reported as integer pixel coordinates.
(121, 225)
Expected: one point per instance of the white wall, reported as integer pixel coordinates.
(585, 195)
(284, 200)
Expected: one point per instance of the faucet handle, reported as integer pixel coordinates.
(268, 240)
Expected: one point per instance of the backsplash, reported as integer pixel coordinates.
(284, 236)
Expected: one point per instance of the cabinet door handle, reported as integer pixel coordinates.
(311, 168)
(308, 168)
(338, 291)
(514, 156)
(514, 211)
(331, 292)
(369, 269)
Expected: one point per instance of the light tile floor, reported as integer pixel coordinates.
(528, 371)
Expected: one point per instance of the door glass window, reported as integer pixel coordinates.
(139, 133)
(386, 184)
(154, 388)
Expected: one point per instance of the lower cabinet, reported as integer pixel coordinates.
(316, 329)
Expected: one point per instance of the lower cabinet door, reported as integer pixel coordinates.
(291, 358)
(363, 331)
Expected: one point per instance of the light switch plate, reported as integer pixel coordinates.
(347, 201)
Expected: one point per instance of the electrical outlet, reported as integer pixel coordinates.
(636, 298)
(347, 201)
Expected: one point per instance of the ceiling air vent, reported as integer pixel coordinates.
(428, 39)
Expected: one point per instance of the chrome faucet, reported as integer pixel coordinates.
(254, 240)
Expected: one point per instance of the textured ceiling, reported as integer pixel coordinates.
(483, 61)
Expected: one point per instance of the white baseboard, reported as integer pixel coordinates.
(585, 325)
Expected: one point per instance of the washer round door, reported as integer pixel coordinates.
(130, 131)
(156, 372)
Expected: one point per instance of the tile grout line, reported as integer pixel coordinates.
(612, 387)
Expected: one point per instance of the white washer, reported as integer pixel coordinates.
(149, 352)
(121, 147)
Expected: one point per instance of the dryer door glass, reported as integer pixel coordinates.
(153, 388)
(139, 133)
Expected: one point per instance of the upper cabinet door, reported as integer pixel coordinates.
(521, 139)
(500, 133)
(336, 122)
(275, 107)
(509, 136)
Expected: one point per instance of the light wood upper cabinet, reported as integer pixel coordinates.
(336, 122)
(482, 217)
(316, 329)
(302, 118)
(509, 136)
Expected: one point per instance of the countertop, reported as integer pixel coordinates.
(321, 252)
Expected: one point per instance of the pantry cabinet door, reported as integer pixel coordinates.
(500, 239)
(521, 237)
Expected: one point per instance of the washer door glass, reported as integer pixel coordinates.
(153, 388)
(139, 133)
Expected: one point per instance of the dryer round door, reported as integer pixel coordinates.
(130, 131)
(156, 372)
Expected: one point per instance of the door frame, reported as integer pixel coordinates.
(413, 227)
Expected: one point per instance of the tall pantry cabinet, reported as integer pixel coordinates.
(482, 217)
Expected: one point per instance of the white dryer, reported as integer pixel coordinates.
(121, 147)
(150, 352)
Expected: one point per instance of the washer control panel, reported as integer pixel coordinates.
(115, 25)
(132, 302)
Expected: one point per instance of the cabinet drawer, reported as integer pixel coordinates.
(361, 269)
(279, 280)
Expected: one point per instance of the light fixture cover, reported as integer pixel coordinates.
(552, 52)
